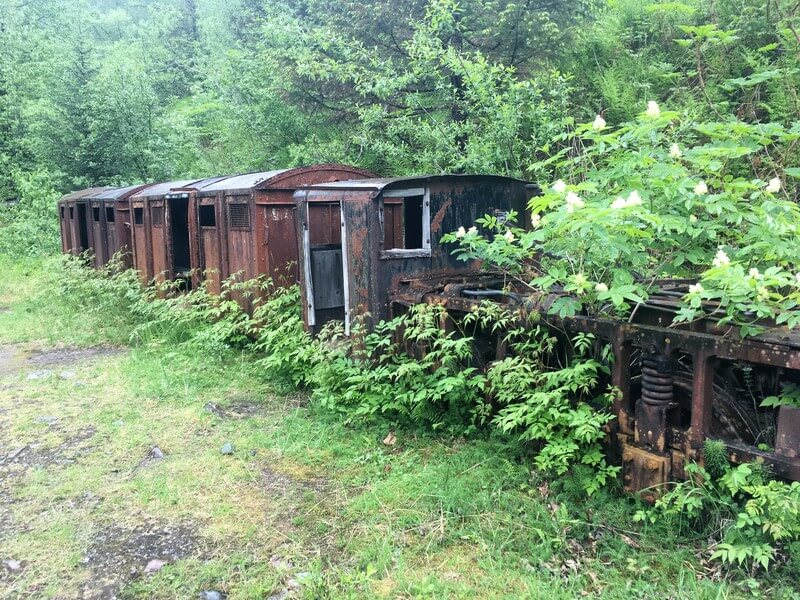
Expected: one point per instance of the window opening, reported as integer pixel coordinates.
(157, 216)
(109, 214)
(138, 216)
(208, 216)
(406, 223)
(96, 214)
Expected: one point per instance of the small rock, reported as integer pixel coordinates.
(12, 565)
(154, 566)
(43, 374)
(156, 453)
(302, 576)
(46, 419)
(118, 423)
(67, 374)
(211, 595)
(209, 407)
(293, 584)
(279, 595)
(391, 439)
(226, 448)
(280, 563)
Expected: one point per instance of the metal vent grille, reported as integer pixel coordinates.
(239, 216)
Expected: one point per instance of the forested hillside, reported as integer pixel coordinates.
(113, 91)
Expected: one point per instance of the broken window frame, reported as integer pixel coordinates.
(423, 252)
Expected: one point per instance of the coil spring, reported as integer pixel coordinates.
(657, 382)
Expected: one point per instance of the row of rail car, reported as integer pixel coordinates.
(369, 248)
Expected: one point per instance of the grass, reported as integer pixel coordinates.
(305, 496)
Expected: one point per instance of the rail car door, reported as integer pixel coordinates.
(278, 252)
(324, 235)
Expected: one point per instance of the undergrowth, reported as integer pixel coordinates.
(423, 379)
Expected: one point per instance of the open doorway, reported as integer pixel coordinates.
(179, 235)
(83, 233)
(325, 264)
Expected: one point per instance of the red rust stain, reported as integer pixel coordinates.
(436, 222)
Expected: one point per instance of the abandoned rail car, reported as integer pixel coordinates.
(240, 224)
(97, 219)
(74, 214)
(151, 215)
(679, 384)
(359, 239)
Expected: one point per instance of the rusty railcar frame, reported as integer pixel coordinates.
(245, 223)
(359, 239)
(74, 212)
(652, 446)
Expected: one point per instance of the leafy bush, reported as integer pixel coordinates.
(30, 227)
(753, 520)
(374, 372)
(656, 198)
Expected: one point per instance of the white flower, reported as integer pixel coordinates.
(536, 220)
(579, 279)
(619, 202)
(675, 151)
(634, 199)
(695, 288)
(472, 230)
(797, 277)
(598, 123)
(721, 259)
(574, 202)
(601, 287)
(701, 188)
(763, 294)
(774, 185)
(754, 273)
(461, 232)
(652, 109)
(509, 235)
(560, 187)
(692, 219)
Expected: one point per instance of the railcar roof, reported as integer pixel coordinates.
(240, 182)
(381, 183)
(78, 194)
(163, 188)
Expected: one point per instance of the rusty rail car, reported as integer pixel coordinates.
(191, 230)
(357, 239)
(96, 219)
(370, 248)
(678, 384)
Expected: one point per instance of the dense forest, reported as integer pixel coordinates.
(114, 92)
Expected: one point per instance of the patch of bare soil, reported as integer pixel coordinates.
(119, 555)
(12, 359)
(15, 357)
(59, 357)
(16, 461)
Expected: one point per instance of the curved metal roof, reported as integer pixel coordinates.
(378, 184)
(241, 182)
(163, 188)
(78, 194)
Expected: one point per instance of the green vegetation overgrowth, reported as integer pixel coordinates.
(425, 513)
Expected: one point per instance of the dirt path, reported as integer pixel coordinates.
(115, 478)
